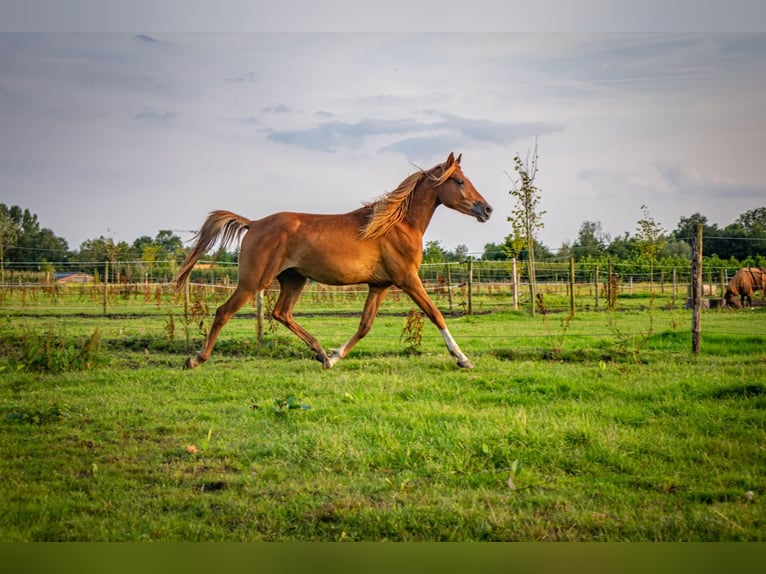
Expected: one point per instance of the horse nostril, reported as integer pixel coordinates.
(488, 209)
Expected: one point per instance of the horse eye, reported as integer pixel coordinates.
(460, 182)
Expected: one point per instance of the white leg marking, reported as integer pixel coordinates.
(451, 344)
(338, 353)
(454, 350)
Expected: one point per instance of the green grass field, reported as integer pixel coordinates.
(602, 427)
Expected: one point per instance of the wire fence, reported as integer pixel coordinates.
(138, 287)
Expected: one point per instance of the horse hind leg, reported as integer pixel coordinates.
(238, 299)
(374, 299)
(291, 284)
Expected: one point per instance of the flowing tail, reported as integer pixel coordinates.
(220, 225)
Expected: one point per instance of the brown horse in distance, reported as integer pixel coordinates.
(379, 244)
(744, 284)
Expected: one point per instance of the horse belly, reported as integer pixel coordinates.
(333, 267)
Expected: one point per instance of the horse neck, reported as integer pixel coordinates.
(423, 203)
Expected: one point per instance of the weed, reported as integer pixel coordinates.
(541, 303)
(195, 317)
(412, 332)
(51, 352)
(38, 415)
(627, 342)
(612, 286)
(170, 326)
(281, 407)
(557, 339)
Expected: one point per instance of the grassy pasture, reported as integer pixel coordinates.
(602, 427)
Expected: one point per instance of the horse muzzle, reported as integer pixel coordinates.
(481, 211)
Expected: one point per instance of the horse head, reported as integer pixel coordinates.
(731, 300)
(457, 192)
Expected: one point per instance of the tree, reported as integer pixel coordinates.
(526, 216)
(687, 227)
(459, 254)
(434, 252)
(8, 237)
(149, 256)
(31, 244)
(677, 248)
(591, 241)
(622, 246)
(169, 243)
(753, 222)
(650, 239)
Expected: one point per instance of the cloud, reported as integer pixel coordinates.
(334, 135)
(278, 109)
(686, 181)
(144, 38)
(152, 116)
(607, 108)
(410, 136)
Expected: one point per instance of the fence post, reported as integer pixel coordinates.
(515, 280)
(611, 286)
(259, 315)
(595, 284)
(106, 285)
(722, 292)
(697, 290)
(187, 297)
(449, 286)
(470, 285)
(675, 287)
(571, 286)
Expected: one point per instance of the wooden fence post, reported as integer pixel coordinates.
(470, 285)
(106, 285)
(675, 287)
(259, 315)
(571, 286)
(595, 284)
(697, 290)
(449, 286)
(723, 285)
(515, 280)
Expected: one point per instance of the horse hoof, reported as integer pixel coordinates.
(325, 360)
(191, 362)
(465, 363)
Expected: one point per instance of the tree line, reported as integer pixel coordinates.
(25, 244)
(741, 242)
(23, 241)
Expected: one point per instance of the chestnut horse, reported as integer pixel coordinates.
(744, 284)
(379, 244)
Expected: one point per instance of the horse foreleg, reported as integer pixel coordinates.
(222, 315)
(418, 294)
(290, 286)
(374, 299)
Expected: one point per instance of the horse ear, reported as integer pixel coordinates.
(450, 159)
(457, 161)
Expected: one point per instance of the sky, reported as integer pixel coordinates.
(122, 129)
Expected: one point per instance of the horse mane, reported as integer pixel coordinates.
(391, 208)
